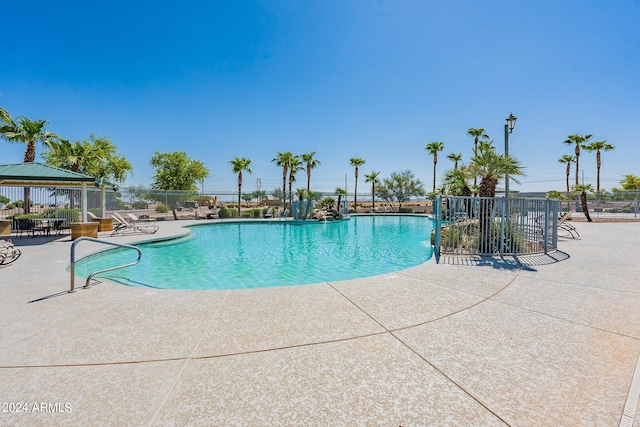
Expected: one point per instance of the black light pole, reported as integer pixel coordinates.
(508, 128)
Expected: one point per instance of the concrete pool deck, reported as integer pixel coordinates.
(555, 342)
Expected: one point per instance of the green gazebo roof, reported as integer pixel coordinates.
(40, 174)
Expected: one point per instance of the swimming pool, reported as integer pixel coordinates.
(260, 254)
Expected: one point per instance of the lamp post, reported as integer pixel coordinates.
(508, 128)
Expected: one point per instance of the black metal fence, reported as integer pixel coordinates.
(495, 226)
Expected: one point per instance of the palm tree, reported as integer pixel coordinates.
(568, 159)
(76, 156)
(283, 160)
(240, 164)
(356, 162)
(311, 164)
(340, 192)
(433, 149)
(456, 182)
(579, 141)
(492, 167)
(476, 133)
(295, 165)
(583, 189)
(455, 157)
(25, 131)
(597, 146)
(373, 179)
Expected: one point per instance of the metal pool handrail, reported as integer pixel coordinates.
(91, 239)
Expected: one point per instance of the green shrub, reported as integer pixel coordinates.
(162, 209)
(247, 214)
(405, 210)
(139, 205)
(224, 213)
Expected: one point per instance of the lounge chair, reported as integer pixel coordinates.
(8, 252)
(268, 213)
(566, 226)
(121, 227)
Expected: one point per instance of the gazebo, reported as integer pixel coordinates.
(42, 175)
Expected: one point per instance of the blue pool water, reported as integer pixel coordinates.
(264, 254)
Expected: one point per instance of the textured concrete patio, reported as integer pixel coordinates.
(478, 342)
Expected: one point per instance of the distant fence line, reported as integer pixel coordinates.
(135, 197)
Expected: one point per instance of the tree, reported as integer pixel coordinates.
(356, 162)
(456, 182)
(476, 133)
(400, 187)
(277, 193)
(340, 192)
(582, 190)
(492, 167)
(240, 164)
(97, 157)
(455, 157)
(579, 141)
(283, 160)
(25, 131)
(373, 179)
(295, 165)
(175, 171)
(568, 159)
(311, 163)
(433, 149)
(630, 183)
(597, 146)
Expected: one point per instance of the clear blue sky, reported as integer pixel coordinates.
(364, 78)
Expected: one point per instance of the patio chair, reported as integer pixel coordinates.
(269, 213)
(24, 225)
(122, 227)
(8, 252)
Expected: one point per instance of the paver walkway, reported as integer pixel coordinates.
(465, 342)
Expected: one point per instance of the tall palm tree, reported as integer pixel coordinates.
(311, 163)
(579, 141)
(476, 133)
(283, 160)
(597, 146)
(455, 157)
(356, 162)
(433, 149)
(240, 164)
(373, 179)
(295, 165)
(25, 131)
(568, 159)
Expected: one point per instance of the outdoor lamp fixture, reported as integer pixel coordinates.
(115, 188)
(508, 128)
(511, 122)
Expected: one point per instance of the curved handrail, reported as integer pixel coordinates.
(91, 239)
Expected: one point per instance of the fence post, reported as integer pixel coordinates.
(437, 214)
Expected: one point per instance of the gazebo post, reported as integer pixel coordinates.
(83, 204)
